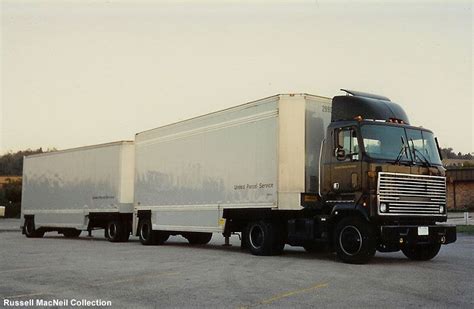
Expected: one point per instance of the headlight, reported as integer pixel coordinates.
(441, 209)
(383, 207)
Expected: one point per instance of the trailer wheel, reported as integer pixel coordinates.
(421, 252)
(354, 240)
(198, 238)
(264, 238)
(72, 233)
(30, 230)
(148, 236)
(160, 237)
(114, 231)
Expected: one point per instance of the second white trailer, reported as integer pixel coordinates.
(79, 189)
(193, 177)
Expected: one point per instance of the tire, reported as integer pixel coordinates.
(30, 230)
(198, 238)
(71, 233)
(264, 238)
(145, 232)
(422, 252)
(354, 240)
(149, 237)
(160, 237)
(114, 231)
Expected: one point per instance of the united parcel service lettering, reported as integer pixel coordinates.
(254, 186)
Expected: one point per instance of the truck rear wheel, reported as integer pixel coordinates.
(30, 230)
(198, 238)
(354, 240)
(264, 238)
(421, 252)
(71, 233)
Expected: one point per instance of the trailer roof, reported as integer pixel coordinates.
(237, 107)
(80, 148)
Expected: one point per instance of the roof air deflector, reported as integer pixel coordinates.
(365, 94)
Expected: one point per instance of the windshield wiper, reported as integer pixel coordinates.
(421, 156)
(402, 150)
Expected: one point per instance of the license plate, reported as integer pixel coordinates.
(423, 231)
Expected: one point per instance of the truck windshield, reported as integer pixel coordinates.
(400, 144)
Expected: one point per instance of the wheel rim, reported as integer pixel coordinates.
(144, 232)
(350, 240)
(112, 230)
(256, 236)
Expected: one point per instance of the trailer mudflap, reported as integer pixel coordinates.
(415, 234)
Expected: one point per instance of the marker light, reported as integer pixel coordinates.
(441, 209)
(383, 207)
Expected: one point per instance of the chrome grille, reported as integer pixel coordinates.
(408, 194)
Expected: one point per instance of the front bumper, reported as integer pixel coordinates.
(403, 235)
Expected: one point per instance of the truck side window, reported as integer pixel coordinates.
(346, 139)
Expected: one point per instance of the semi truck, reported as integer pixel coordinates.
(348, 173)
(79, 189)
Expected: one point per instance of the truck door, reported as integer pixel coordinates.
(346, 164)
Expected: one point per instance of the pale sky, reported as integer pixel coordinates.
(77, 73)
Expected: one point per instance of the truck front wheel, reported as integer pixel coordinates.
(354, 240)
(422, 252)
(264, 238)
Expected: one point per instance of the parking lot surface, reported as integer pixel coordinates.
(177, 275)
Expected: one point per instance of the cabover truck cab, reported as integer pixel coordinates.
(348, 174)
(80, 189)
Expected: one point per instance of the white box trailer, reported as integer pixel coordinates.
(254, 157)
(79, 189)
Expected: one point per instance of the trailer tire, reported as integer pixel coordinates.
(72, 233)
(145, 232)
(160, 237)
(354, 240)
(198, 238)
(421, 252)
(114, 231)
(30, 230)
(264, 238)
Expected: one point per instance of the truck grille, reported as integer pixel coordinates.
(407, 194)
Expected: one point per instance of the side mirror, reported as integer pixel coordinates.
(340, 154)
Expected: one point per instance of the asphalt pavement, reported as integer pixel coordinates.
(177, 275)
